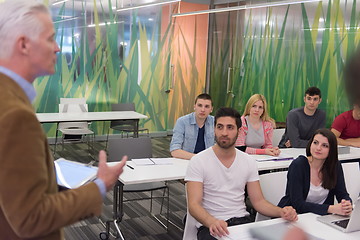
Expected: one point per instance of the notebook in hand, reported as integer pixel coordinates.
(72, 174)
(344, 224)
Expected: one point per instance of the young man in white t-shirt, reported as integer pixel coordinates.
(216, 180)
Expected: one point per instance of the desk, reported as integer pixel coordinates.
(354, 155)
(306, 221)
(90, 117)
(144, 174)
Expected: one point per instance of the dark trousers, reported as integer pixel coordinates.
(204, 232)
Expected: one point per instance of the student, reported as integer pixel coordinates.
(313, 181)
(302, 122)
(216, 180)
(257, 128)
(194, 132)
(346, 127)
(30, 205)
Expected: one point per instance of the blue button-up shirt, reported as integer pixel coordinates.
(186, 131)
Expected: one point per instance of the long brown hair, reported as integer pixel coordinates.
(328, 169)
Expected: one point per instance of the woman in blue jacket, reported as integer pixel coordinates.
(313, 181)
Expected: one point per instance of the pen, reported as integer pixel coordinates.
(130, 167)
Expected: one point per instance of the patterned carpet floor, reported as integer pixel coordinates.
(137, 223)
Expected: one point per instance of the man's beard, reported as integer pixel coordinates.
(227, 145)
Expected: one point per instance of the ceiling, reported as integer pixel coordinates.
(128, 3)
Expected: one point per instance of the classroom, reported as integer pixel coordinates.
(267, 84)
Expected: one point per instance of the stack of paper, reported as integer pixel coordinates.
(343, 149)
(71, 174)
(152, 161)
(282, 156)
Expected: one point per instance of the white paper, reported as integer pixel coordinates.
(72, 174)
(143, 161)
(163, 161)
(282, 156)
(152, 161)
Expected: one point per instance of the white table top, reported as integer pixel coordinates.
(88, 116)
(154, 173)
(295, 152)
(307, 222)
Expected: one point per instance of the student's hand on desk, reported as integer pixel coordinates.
(276, 151)
(355, 144)
(272, 151)
(288, 144)
(109, 174)
(288, 213)
(343, 208)
(346, 206)
(218, 228)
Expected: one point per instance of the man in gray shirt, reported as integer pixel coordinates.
(302, 122)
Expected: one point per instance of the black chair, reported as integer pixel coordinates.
(125, 126)
(136, 148)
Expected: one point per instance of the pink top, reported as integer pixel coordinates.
(268, 133)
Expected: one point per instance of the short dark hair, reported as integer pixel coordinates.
(352, 78)
(228, 112)
(312, 91)
(329, 168)
(203, 96)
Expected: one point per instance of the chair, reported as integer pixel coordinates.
(138, 148)
(277, 135)
(74, 131)
(273, 186)
(352, 179)
(125, 126)
(190, 230)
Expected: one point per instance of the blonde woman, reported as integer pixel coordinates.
(257, 128)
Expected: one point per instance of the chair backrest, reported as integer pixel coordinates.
(72, 101)
(132, 147)
(123, 107)
(277, 135)
(73, 108)
(126, 124)
(352, 179)
(190, 230)
(273, 186)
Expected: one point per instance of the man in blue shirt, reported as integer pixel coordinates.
(194, 132)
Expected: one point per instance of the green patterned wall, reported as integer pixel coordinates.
(278, 51)
(108, 58)
(281, 51)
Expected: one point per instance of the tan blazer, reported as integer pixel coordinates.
(30, 205)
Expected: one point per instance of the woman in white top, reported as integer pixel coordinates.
(313, 181)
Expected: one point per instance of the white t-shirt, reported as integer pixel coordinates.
(223, 188)
(317, 194)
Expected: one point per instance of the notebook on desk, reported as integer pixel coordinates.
(344, 224)
(152, 161)
(70, 174)
(281, 157)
